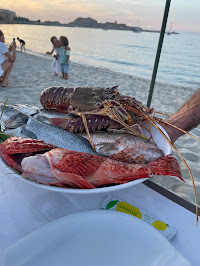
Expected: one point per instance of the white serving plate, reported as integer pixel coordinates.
(159, 140)
(95, 238)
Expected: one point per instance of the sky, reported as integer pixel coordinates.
(184, 15)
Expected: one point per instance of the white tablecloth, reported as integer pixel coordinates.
(25, 208)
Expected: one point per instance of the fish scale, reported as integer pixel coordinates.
(59, 137)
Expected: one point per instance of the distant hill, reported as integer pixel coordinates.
(83, 22)
(7, 16)
(92, 23)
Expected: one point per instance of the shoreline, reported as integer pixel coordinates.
(147, 80)
(139, 63)
(58, 24)
(33, 71)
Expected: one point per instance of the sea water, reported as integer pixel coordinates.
(122, 51)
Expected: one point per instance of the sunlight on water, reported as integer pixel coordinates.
(121, 51)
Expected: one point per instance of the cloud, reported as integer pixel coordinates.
(182, 13)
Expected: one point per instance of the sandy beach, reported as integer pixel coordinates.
(32, 74)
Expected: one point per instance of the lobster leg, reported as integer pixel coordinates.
(86, 128)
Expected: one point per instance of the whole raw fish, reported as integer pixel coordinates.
(62, 167)
(125, 147)
(58, 136)
(24, 125)
(82, 170)
(18, 115)
(38, 112)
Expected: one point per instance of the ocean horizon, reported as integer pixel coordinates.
(120, 51)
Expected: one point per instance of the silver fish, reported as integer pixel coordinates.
(12, 118)
(27, 109)
(18, 115)
(38, 112)
(125, 147)
(58, 136)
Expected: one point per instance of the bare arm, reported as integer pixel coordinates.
(186, 118)
(11, 57)
(50, 53)
(67, 48)
(10, 48)
(67, 60)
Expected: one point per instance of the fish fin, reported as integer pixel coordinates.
(9, 159)
(104, 148)
(128, 155)
(15, 145)
(167, 165)
(41, 179)
(71, 179)
(27, 133)
(73, 167)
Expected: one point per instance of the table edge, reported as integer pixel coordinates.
(171, 196)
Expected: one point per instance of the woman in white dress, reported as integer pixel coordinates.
(6, 60)
(56, 61)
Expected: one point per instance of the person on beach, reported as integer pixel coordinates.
(22, 43)
(186, 118)
(7, 59)
(64, 56)
(56, 61)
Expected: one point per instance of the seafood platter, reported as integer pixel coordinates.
(88, 140)
(85, 140)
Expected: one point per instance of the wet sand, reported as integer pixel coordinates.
(32, 74)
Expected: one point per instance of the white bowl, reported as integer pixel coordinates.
(159, 140)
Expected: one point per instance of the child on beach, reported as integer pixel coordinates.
(56, 61)
(64, 56)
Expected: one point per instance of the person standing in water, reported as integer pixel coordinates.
(22, 43)
(64, 56)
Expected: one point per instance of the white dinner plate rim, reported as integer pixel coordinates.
(97, 214)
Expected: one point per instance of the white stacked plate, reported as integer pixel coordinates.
(95, 238)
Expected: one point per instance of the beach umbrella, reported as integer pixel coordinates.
(159, 48)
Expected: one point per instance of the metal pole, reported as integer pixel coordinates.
(162, 34)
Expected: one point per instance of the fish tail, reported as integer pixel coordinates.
(167, 165)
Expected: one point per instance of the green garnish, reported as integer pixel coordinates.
(3, 136)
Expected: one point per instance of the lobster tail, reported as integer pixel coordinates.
(56, 98)
(94, 122)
